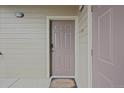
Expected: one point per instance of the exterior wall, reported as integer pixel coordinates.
(82, 66)
(31, 35)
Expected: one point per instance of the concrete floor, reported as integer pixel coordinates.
(24, 83)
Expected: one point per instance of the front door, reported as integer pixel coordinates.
(63, 48)
(108, 46)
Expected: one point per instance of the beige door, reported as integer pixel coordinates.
(63, 48)
(108, 46)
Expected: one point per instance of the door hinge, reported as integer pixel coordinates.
(91, 52)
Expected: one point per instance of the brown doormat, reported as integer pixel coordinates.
(63, 83)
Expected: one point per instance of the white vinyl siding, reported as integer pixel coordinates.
(83, 48)
(22, 42)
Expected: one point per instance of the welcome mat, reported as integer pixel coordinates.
(63, 83)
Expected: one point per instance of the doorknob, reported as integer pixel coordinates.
(1, 53)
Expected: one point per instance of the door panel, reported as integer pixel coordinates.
(108, 53)
(63, 48)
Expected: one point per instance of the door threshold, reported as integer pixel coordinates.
(62, 77)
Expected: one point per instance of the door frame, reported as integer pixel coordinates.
(75, 18)
(90, 51)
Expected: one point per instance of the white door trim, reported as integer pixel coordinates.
(89, 46)
(75, 18)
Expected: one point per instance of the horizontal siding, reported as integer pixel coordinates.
(23, 44)
(83, 37)
(83, 47)
(22, 31)
(27, 20)
(19, 26)
(83, 16)
(20, 35)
